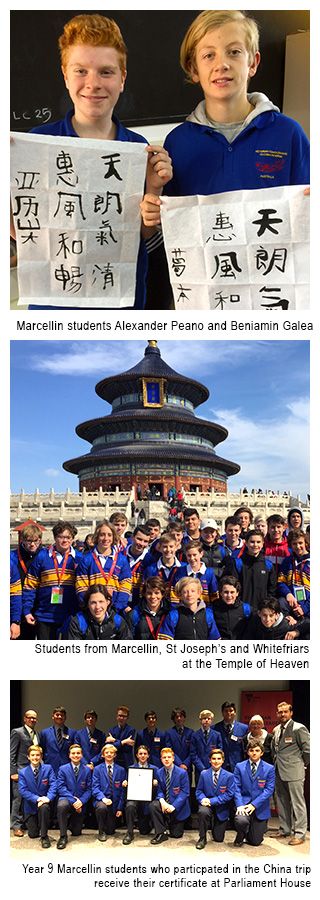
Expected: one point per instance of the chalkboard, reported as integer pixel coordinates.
(156, 90)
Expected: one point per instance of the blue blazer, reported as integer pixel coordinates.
(154, 746)
(91, 749)
(101, 785)
(127, 751)
(53, 754)
(233, 749)
(179, 791)
(200, 748)
(255, 790)
(30, 789)
(220, 795)
(145, 803)
(70, 787)
(180, 746)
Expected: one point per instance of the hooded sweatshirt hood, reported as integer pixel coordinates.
(231, 130)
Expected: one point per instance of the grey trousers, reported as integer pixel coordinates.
(291, 807)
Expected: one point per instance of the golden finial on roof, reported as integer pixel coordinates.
(152, 343)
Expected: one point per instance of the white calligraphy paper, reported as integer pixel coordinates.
(139, 784)
(77, 219)
(239, 250)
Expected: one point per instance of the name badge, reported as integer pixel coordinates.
(56, 595)
(156, 740)
(93, 740)
(288, 740)
(234, 738)
(66, 736)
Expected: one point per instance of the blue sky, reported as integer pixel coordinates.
(259, 391)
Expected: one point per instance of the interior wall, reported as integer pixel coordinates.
(140, 696)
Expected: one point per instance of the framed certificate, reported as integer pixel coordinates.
(139, 784)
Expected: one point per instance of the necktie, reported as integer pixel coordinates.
(36, 772)
(253, 769)
(151, 735)
(215, 779)
(167, 785)
(110, 779)
(206, 732)
(281, 731)
(229, 729)
(76, 771)
(59, 736)
(180, 731)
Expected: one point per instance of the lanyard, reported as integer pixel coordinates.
(22, 563)
(60, 576)
(151, 628)
(299, 571)
(170, 580)
(108, 576)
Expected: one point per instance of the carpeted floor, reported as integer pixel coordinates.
(91, 850)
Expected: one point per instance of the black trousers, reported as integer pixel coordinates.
(208, 819)
(47, 631)
(165, 821)
(134, 809)
(251, 828)
(67, 814)
(106, 818)
(38, 823)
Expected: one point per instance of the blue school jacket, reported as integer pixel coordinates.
(101, 785)
(220, 795)
(200, 748)
(70, 787)
(41, 578)
(257, 790)
(127, 751)
(53, 754)
(154, 746)
(179, 791)
(30, 788)
(119, 584)
(91, 748)
(210, 589)
(179, 745)
(233, 749)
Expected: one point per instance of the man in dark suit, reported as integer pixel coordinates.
(171, 807)
(214, 793)
(74, 791)
(56, 740)
(178, 738)
(20, 741)
(253, 786)
(108, 790)
(38, 787)
(290, 751)
(232, 733)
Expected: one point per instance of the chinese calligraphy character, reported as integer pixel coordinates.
(178, 262)
(278, 260)
(102, 236)
(228, 264)
(69, 206)
(64, 247)
(222, 224)
(182, 295)
(278, 301)
(65, 277)
(99, 200)
(111, 158)
(233, 298)
(65, 167)
(107, 275)
(265, 221)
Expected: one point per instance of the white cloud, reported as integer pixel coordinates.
(53, 473)
(273, 453)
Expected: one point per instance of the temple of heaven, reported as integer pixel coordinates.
(152, 436)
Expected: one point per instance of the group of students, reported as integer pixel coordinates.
(188, 583)
(220, 52)
(79, 778)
